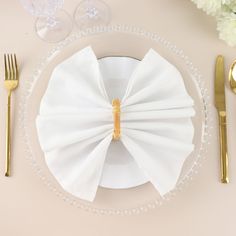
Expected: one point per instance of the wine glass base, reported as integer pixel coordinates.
(56, 29)
(91, 13)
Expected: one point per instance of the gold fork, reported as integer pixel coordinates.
(10, 83)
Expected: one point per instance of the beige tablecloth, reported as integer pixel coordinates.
(206, 207)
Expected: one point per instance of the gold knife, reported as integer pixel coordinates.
(221, 108)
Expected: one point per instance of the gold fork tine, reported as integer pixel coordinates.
(16, 67)
(5, 65)
(9, 67)
(12, 67)
(11, 83)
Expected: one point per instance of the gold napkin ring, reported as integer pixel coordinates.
(116, 118)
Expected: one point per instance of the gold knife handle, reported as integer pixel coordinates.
(8, 135)
(223, 147)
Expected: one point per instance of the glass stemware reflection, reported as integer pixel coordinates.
(52, 24)
(91, 13)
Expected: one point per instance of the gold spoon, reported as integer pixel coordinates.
(232, 76)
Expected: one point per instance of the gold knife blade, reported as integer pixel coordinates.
(220, 84)
(221, 108)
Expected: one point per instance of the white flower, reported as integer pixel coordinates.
(225, 13)
(227, 29)
(232, 6)
(211, 7)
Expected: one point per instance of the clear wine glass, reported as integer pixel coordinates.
(91, 13)
(52, 24)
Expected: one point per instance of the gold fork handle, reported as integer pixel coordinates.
(223, 148)
(8, 135)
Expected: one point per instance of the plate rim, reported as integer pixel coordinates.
(134, 31)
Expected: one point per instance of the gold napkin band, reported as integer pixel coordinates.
(116, 118)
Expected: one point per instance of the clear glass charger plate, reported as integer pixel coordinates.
(106, 41)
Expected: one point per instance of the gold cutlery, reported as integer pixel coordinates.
(10, 83)
(221, 108)
(232, 77)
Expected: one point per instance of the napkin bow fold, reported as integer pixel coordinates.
(75, 123)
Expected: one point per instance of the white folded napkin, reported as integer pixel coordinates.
(75, 122)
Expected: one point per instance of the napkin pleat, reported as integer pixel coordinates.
(61, 135)
(178, 102)
(75, 124)
(81, 95)
(74, 152)
(80, 173)
(153, 78)
(153, 165)
(91, 92)
(157, 141)
(161, 114)
(165, 128)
